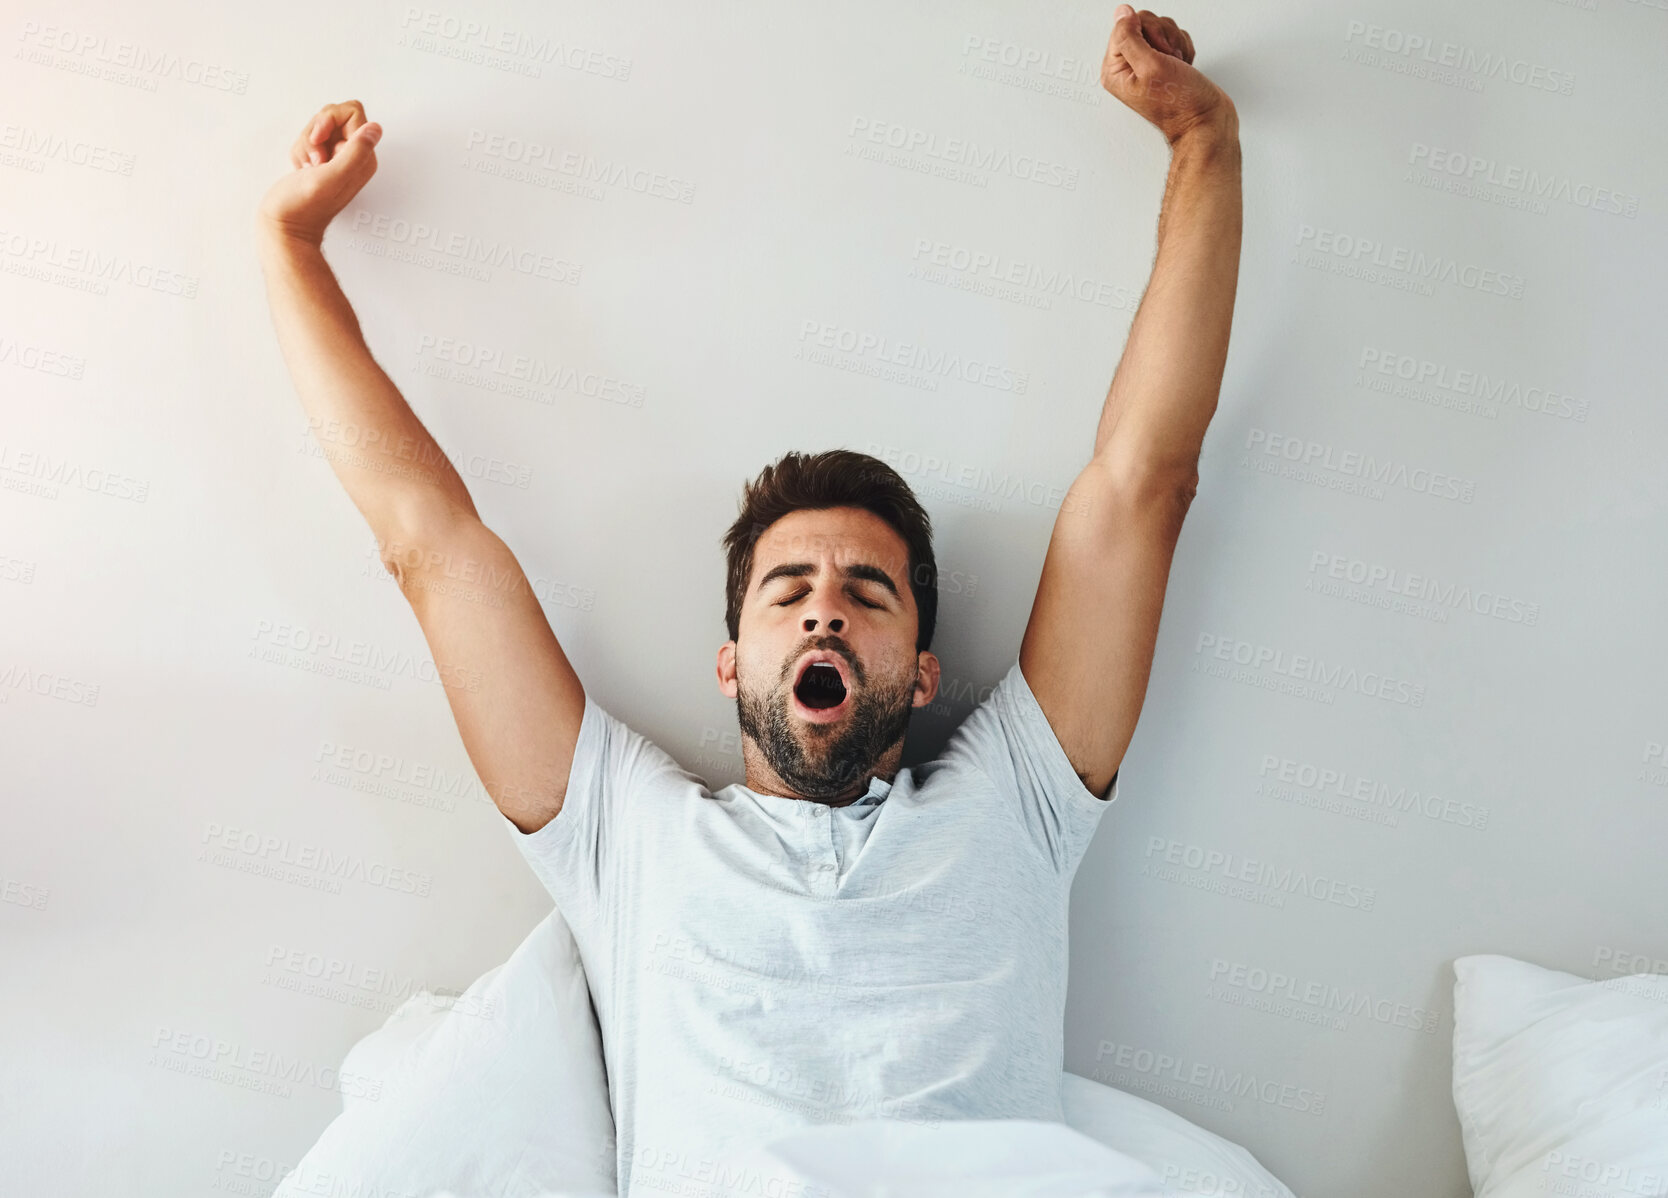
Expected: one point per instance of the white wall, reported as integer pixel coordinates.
(170, 538)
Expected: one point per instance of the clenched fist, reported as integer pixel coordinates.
(1148, 66)
(334, 156)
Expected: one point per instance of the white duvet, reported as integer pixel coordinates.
(974, 1158)
(504, 1094)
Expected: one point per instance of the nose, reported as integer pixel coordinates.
(824, 609)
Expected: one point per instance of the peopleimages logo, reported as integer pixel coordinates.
(1476, 170)
(1322, 996)
(586, 169)
(1237, 1083)
(1492, 391)
(264, 1069)
(47, 360)
(1356, 792)
(39, 473)
(395, 776)
(1622, 960)
(957, 152)
(533, 376)
(675, 1171)
(1050, 63)
(1303, 667)
(1377, 45)
(483, 42)
(86, 268)
(882, 356)
(1327, 568)
(1031, 68)
(1009, 484)
(280, 857)
(125, 62)
(15, 677)
(24, 894)
(1193, 1179)
(368, 986)
(1654, 767)
(1335, 250)
(462, 248)
(1031, 284)
(321, 652)
(1362, 469)
(44, 145)
(1284, 879)
(1590, 1175)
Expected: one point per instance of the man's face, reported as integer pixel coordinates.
(832, 583)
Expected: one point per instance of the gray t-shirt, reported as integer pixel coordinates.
(760, 963)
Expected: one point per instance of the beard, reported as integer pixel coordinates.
(823, 761)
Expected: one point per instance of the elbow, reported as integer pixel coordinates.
(1148, 495)
(1146, 479)
(1172, 497)
(1188, 487)
(399, 556)
(415, 539)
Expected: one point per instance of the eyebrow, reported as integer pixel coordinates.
(801, 569)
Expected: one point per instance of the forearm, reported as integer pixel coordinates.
(1164, 391)
(393, 470)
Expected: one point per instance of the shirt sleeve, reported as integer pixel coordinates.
(577, 854)
(1009, 739)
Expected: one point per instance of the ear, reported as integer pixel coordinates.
(926, 686)
(727, 669)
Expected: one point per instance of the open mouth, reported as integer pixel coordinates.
(820, 687)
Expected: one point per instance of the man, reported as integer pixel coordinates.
(836, 938)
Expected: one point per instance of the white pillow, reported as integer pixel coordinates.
(1186, 1157)
(504, 1093)
(1561, 1083)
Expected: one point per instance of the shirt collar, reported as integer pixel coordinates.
(879, 788)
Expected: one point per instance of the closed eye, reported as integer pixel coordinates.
(802, 594)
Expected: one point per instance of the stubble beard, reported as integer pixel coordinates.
(840, 753)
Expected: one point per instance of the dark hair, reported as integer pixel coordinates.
(833, 478)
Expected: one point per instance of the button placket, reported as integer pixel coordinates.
(824, 869)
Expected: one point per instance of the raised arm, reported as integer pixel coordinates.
(1088, 648)
(516, 699)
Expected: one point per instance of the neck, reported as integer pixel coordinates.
(761, 779)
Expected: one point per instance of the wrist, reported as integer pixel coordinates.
(1215, 132)
(274, 239)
